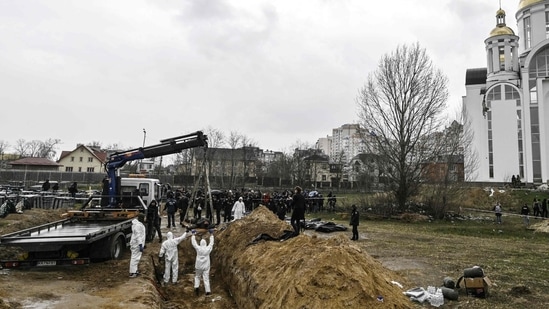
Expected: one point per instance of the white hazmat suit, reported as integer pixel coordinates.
(202, 264)
(171, 260)
(238, 209)
(137, 244)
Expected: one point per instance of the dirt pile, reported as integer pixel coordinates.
(301, 272)
(29, 218)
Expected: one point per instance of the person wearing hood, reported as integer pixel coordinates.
(238, 209)
(355, 218)
(137, 244)
(168, 250)
(202, 264)
(153, 221)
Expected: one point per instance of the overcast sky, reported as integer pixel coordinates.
(276, 71)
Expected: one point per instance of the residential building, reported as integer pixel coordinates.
(346, 142)
(507, 102)
(35, 164)
(324, 144)
(83, 159)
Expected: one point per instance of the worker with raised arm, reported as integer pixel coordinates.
(168, 250)
(202, 264)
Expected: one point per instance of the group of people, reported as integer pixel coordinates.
(539, 209)
(46, 186)
(169, 251)
(169, 248)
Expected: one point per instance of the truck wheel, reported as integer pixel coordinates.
(117, 246)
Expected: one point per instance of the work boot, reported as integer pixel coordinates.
(196, 291)
(208, 293)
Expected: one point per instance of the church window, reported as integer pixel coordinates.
(527, 32)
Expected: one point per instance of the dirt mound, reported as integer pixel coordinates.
(301, 272)
(29, 218)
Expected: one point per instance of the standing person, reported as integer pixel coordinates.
(298, 213)
(170, 207)
(544, 208)
(536, 207)
(183, 205)
(153, 221)
(227, 207)
(46, 185)
(217, 206)
(238, 209)
(73, 189)
(525, 212)
(105, 183)
(171, 259)
(355, 218)
(497, 211)
(202, 264)
(137, 244)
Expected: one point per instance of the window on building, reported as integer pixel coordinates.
(81, 159)
(72, 159)
(90, 159)
(68, 168)
(90, 170)
(527, 33)
(80, 169)
(546, 24)
(501, 52)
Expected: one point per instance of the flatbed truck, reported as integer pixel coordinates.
(96, 231)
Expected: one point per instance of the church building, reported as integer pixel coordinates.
(506, 106)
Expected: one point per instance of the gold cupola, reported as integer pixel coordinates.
(525, 3)
(501, 28)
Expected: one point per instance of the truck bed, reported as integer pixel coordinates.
(63, 232)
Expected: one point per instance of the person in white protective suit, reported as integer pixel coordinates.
(171, 260)
(202, 264)
(238, 209)
(137, 244)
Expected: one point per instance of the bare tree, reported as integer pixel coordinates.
(36, 148)
(47, 148)
(3, 147)
(233, 141)
(400, 104)
(21, 148)
(216, 139)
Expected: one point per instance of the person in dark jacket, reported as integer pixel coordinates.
(525, 212)
(298, 213)
(153, 221)
(46, 185)
(355, 218)
(171, 208)
(73, 189)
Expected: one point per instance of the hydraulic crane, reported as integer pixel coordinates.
(167, 146)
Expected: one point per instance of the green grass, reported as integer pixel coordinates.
(513, 257)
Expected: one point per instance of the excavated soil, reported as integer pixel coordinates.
(302, 272)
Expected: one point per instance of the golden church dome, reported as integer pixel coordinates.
(525, 3)
(501, 31)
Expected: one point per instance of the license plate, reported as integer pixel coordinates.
(46, 263)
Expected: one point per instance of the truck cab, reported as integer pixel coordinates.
(148, 188)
